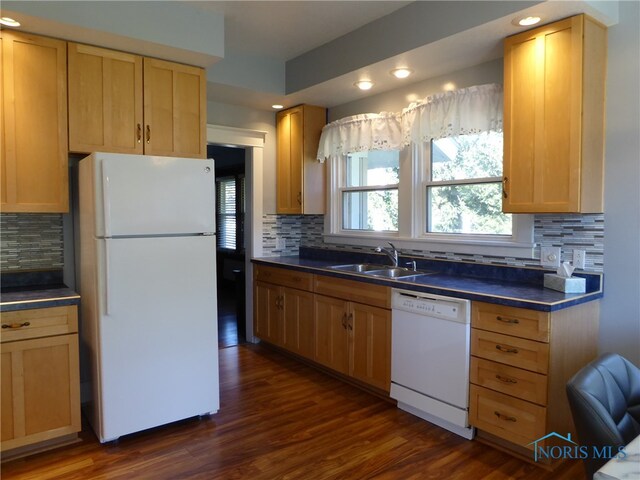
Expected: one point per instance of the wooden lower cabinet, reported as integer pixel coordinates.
(521, 361)
(40, 378)
(284, 317)
(344, 325)
(354, 339)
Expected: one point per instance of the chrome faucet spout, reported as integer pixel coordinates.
(392, 253)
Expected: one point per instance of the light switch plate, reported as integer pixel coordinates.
(550, 256)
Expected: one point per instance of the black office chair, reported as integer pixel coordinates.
(605, 403)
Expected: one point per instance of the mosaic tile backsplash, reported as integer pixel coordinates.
(30, 241)
(584, 232)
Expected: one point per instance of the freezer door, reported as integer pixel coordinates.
(158, 346)
(146, 195)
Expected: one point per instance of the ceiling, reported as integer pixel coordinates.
(258, 53)
(283, 30)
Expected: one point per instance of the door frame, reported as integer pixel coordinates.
(253, 142)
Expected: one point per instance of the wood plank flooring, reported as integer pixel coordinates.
(280, 419)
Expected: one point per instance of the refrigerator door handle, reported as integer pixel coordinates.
(106, 199)
(107, 276)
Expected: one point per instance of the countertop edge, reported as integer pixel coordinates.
(470, 295)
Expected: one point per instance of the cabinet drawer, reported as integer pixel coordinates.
(510, 380)
(509, 418)
(361, 292)
(513, 351)
(282, 276)
(39, 322)
(519, 322)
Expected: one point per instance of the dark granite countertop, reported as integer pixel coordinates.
(28, 290)
(516, 287)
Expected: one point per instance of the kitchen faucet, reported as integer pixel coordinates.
(392, 253)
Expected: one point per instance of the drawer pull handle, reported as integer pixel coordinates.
(148, 134)
(139, 133)
(506, 349)
(16, 325)
(513, 321)
(505, 417)
(350, 321)
(344, 321)
(506, 379)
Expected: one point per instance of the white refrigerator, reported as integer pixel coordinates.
(148, 290)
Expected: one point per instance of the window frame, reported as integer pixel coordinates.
(412, 220)
(238, 215)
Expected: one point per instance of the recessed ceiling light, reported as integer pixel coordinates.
(528, 21)
(277, 106)
(364, 84)
(9, 22)
(401, 72)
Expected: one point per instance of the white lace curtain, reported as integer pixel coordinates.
(469, 110)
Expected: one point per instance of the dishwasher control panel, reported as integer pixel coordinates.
(431, 305)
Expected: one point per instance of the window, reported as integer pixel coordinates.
(464, 186)
(369, 192)
(230, 212)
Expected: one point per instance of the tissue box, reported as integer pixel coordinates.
(564, 284)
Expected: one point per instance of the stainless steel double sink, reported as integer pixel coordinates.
(380, 271)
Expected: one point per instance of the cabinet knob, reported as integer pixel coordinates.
(506, 379)
(505, 417)
(148, 134)
(513, 321)
(506, 349)
(15, 325)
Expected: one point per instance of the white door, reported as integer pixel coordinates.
(158, 346)
(145, 195)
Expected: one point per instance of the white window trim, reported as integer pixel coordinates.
(411, 225)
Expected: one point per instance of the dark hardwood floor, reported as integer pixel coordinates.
(280, 419)
(227, 319)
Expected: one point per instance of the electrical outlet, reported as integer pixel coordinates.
(550, 256)
(281, 243)
(579, 258)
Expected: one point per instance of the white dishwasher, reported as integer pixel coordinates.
(430, 358)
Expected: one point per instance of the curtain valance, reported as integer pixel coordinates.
(469, 110)
(360, 133)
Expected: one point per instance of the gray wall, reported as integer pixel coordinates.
(620, 315)
(244, 117)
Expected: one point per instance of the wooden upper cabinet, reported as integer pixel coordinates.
(105, 100)
(300, 184)
(174, 109)
(554, 100)
(34, 162)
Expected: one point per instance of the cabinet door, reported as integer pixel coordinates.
(105, 100)
(267, 314)
(543, 118)
(370, 329)
(174, 109)
(34, 172)
(332, 338)
(289, 126)
(40, 390)
(298, 330)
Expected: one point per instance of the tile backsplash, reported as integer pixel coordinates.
(30, 241)
(569, 232)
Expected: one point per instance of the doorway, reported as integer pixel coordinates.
(230, 244)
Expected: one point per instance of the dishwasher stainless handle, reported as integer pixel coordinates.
(506, 349)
